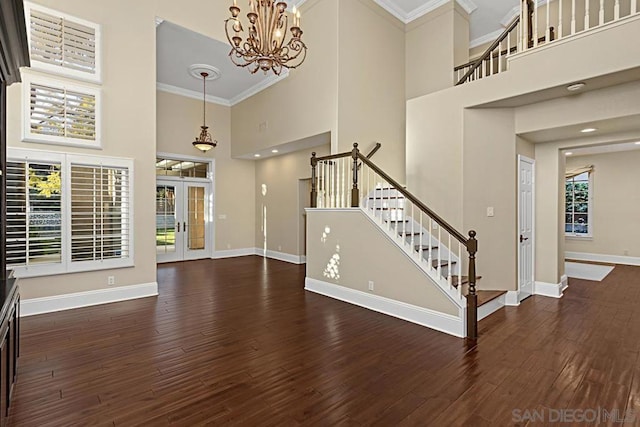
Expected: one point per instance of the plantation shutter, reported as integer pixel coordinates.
(62, 42)
(34, 209)
(59, 112)
(100, 213)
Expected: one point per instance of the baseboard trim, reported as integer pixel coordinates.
(491, 307)
(442, 322)
(611, 259)
(281, 256)
(512, 299)
(233, 253)
(34, 306)
(553, 290)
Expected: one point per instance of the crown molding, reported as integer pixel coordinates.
(407, 17)
(192, 94)
(262, 85)
(486, 38)
(510, 16)
(270, 81)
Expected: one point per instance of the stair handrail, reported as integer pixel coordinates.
(478, 62)
(470, 243)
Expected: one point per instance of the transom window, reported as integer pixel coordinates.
(181, 168)
(578, 205)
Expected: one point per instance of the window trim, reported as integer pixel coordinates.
(66, 161)
(589, 234)
(56, 69)
(27, 136)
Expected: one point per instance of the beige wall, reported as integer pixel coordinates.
(279, 206)
(489, 139)
(366, 253)
(450, 150)
(371, 102)
(616, 204)
(129, 130)
(178, 122)
(435, 43)
(305, 103)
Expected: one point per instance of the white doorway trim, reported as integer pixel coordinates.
(212, 193)
(524, 159)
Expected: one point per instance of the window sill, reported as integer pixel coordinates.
(587, 237)
(27, 273)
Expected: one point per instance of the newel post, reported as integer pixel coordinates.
(314, 181)
(355, 193)
(472, 297)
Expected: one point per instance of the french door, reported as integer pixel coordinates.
(182, 220)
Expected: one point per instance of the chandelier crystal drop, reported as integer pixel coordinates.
(268, 44)
(204, 142)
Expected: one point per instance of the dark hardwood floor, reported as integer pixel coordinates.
(238, 341)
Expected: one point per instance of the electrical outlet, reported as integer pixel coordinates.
(490, 211)
(279, 248)
(111, 280)
(370, 285)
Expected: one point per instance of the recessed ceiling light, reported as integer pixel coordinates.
(637, 143)
(256, 155)
(274, 151)
(575, 86)
(568, 153)
(588, 130)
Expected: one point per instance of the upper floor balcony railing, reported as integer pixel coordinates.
(542, 22)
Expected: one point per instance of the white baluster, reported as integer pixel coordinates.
(559, 34)
(368, 193)
(439, 267)
(421, 235)
(535, 23)
(412, 228)
(634, 6)
(459, 269)
(573, 17)
(491, 58)
(616, 10)
(547, 33)
(601, 13)
(430, 257)
(449, 262)
(500, 52)
(321, 184)
(586, 15)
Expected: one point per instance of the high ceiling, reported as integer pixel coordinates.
(178, 48)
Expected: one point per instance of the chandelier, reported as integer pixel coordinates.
(204, 142)
(266, 46)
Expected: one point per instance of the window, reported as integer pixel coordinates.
(62, 44)
(60, 113)
(578, 205)
(68, 212)
(34, 210)
(181, 168)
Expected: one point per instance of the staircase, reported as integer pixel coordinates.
(443, 253)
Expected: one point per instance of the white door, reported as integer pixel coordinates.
(525, 226)
(182, 220)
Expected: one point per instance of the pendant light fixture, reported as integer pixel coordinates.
(204, 142)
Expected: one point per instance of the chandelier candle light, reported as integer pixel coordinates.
(204, 142)
(266, 46)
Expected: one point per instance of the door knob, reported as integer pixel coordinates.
(522, 238)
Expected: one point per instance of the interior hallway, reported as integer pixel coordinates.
(238, 341)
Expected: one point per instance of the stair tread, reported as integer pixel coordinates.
(386, 197)
(424, 248)
(388, 209)
(443, 263)
(396, 220)
(488, 296)
(465, 280)
(410, 233)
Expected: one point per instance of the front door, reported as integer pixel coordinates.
(182, 220)
(525, 226)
